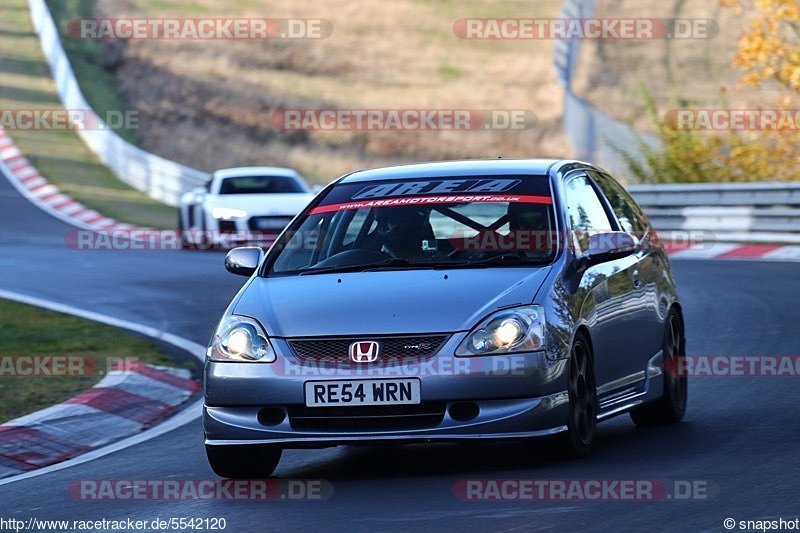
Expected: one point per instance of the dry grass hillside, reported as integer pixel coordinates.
(208, 104)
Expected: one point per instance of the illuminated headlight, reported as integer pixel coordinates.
(227, 213)
(240, 338)
(521, 329)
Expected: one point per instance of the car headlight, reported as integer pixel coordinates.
(227, 212)
(239, 338)
(521, 329)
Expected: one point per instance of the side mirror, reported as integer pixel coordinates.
(244, 260)
(609, 246)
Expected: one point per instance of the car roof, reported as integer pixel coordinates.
(540, 167)
(256, 171)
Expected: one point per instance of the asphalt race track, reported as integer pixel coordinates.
(741, 434)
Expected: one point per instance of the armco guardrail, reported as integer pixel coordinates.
(741, 212)
(718, 194)
(590, 131)
(159, 178)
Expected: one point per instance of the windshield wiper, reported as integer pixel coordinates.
(502, 259)
(396, 263)
(393, 262)
(511, 258)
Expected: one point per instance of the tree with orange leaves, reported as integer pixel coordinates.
(770, 48)
(768, 51)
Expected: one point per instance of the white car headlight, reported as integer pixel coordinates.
(227, 213)
(521, 329)
(239, 338)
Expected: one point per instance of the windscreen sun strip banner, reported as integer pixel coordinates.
(428, 200)
(529, 189)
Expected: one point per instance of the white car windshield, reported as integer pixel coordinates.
(260, 185)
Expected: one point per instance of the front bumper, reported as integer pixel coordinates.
(518, 395)
(498, 419)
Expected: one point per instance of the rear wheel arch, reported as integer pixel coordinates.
(670, 407)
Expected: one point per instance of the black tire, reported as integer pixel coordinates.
(577, 442)
(670, 408)
(184, 243)
(204, 240)
(243, 462)
(199, 238)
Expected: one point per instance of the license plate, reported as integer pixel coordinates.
(362, 392)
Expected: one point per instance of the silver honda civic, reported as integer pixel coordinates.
(450, 301)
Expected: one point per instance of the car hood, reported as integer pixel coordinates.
(390, 302)
(262, 204)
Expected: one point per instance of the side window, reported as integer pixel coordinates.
(586, 212)
(628, 213)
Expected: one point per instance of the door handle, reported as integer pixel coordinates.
(637, 283)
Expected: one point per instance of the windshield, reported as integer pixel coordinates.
(423, 223)
(260, 185)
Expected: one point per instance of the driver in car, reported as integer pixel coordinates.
(404, 232)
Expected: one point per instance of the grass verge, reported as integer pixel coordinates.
(31, 331)
(61, 156)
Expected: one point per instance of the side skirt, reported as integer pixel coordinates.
(622, 395)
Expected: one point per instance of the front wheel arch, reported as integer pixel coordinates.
(578, 440)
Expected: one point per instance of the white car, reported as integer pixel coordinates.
(242, 204)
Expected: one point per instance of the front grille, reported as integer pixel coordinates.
(370, 417)
(268, 225)
(227, 226)
(392, 349)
